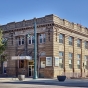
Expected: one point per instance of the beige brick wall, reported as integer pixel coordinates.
(52, 45)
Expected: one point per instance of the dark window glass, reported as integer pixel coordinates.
(33, 41)
(79, 43)
(19, 42)
(41, 40)
(21, 63)
(61, 38)
(22, 41)
(29, 41)
(86, 44)
(70, 40)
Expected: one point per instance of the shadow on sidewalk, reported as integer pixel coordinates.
(50, 82)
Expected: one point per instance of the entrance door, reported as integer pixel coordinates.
(30, 70)
(4, 67)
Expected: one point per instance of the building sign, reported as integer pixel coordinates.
(56, 61)
(48, 61)
(21, 57)
(42, 64)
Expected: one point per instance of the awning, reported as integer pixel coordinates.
(21, 58)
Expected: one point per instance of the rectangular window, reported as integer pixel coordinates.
(79, 43)
(70, 40)
(86, 61)
(70, 60)
(61, 38)
(78, 61)
(31, 40)
(21, 41)
(21, 63)
(42, 38)
(61, 58)
(86, 44)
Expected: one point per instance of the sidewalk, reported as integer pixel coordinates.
(26, 79)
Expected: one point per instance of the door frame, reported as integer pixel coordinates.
(31, 70)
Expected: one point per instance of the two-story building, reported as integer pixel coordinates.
(62, 47)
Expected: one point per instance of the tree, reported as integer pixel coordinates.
(3, 43)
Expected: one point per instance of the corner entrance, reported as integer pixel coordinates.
(30, 70)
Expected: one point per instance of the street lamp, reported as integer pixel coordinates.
(35, 51)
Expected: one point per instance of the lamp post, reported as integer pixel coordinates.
(35, 51)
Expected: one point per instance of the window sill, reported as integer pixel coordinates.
(78, 47)
(61, 43)
(30, 44)
(41, 43)
(70, 46)
(21, 45)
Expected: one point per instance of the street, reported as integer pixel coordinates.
(44, 83)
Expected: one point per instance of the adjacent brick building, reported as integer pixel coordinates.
(62, 47)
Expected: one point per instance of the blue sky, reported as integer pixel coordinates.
(17, 10)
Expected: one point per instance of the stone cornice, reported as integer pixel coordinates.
(29, 27)
(71, 30)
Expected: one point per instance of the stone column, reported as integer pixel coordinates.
(75, 57)
(83, 59)
(48, 71)
(11, 64)
(66, 51)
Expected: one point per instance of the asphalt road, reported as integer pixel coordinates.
(73, 83)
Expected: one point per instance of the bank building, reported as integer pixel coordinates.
(62, 48)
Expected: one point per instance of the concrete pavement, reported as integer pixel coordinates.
(43, 83)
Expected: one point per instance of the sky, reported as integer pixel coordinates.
(17, 10)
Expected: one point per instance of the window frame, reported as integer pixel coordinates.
(86, 60)
(70, 59)
(31, 38)
(61, 57)
(21, 41)
(43, 38)
(79, 60)
(86, 44)
(79, 43)
(61, 39)
(70, 40)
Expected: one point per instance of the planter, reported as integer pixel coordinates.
(61, 78)
(21, 77)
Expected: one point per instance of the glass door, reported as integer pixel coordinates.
(30, 70)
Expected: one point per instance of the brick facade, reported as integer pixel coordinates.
(51, 26)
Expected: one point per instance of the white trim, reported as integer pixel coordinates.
(20, 39)
(30, 39)
(21, 58)
(48, 61)
(56, 61)
(31, 70)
